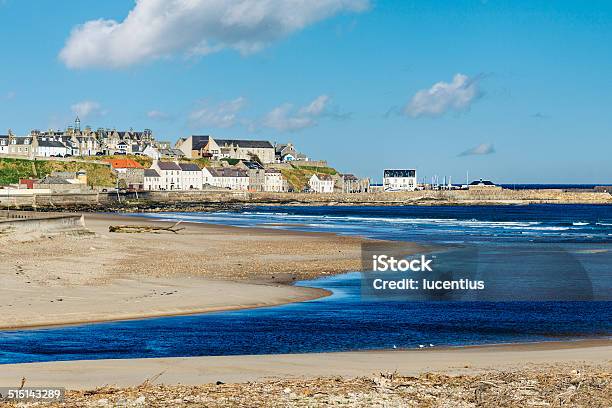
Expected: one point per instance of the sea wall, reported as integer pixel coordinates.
(30, 222)
(104, 200)
(47, 199)
(443, 197)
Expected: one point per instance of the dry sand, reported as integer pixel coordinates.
(111, 276)
(232, 369)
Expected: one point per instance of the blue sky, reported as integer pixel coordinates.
(513, 91)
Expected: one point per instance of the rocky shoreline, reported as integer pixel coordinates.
(214, 200)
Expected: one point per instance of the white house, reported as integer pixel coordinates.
(122, 147)
(52, 148)
(321, 183)
(274, 181)
(191, 176)
(170, 174)
(4, 141)
(226, 177)
(399, 180)
(152, 180)
(152, 152)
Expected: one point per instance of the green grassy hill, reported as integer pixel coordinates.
(298, 176)
(11, 170)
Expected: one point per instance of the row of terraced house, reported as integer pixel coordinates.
(247, 176)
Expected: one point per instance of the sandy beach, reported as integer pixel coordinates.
(111, 276)
(577, 374)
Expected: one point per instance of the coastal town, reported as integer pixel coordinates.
(193, 163)
(139, 162)
(80, 166)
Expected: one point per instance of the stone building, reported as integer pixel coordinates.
(23, 146)
(196, 146)
(256, 173)
(349, 183)
(285, 153)
(129, 171)
(275, 182)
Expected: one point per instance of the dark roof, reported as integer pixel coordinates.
(189, 167)
(151, 173)
(273, 171)
(199, 141)
(50, 143)
(245, 143)
(171, 152)
(349, 177)
(326, 177)
(54, 180)
(482, 182)
(168, 165)
(226, 172)
(400, 173)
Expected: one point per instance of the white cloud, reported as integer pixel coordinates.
(442, 97)
(158, 115)
(86, 109)
(285, 118)
(160, 28)
(222, 115)
(481, 149)
(316, 107)
(281, 118)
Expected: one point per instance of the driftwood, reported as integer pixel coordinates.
(144, 228)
